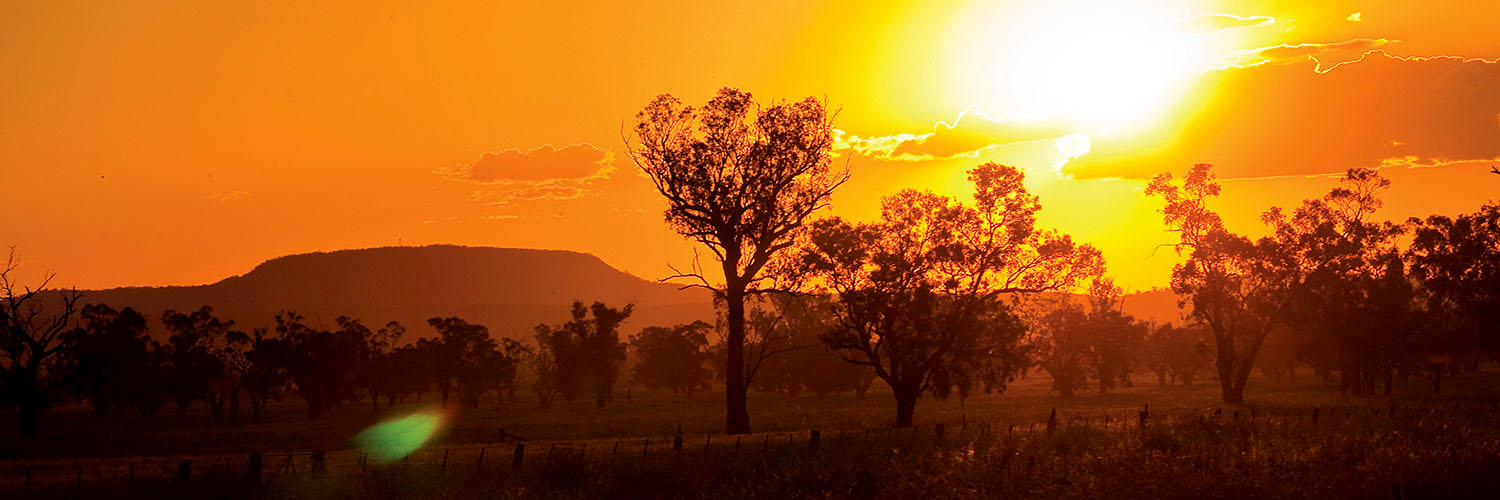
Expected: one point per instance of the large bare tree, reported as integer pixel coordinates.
(30, 334)
(740, 179)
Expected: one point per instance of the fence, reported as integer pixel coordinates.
(519, 457)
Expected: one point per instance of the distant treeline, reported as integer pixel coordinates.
(940, 295)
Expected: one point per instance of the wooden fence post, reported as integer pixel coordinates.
(185, 470)
(442, 467)
(515, 462)
(677, 443)
(813, 439)
(1052, 421)
(480, 462)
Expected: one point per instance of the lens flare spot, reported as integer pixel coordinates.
(396, 438)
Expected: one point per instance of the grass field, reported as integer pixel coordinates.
(1192, 446)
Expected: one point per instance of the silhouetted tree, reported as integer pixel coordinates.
(918, 293)
(378, 372)
(265, 374)
(111, 361)
(1178, 354)
(1236, 287)
(507, 360)
(31, 334)
(1332, 258)
(1114, 337)
(1060, 347)
(197, 341)
(673, 357)
(323, 365)
(585, 352)
(473, 359)
(1457, 262)
(741, 180)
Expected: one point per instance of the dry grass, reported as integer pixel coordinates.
(992, 446)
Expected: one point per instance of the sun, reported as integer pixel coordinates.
(1094, 65)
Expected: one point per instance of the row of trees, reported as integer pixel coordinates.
(1373, 300)
(921, 296)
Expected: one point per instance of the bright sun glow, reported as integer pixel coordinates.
(1098, 65)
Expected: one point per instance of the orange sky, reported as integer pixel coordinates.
(148, 143)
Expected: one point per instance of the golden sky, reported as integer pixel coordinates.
(150, 143)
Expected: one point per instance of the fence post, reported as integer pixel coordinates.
(1145, 413)
(813, 438)
(1315, 415)
(706, 440)
(677, 443)
(502, 434)
(1052, 421)
(736, 447)
(515, 462)
(441, 468)
(480, 462)
(319, 462)
(185, 470)
(254, 469)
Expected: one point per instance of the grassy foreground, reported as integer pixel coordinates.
(1190, 447)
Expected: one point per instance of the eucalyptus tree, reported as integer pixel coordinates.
(739, 179)
(919, 294)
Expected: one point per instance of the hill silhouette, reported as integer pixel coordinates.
(510, 290)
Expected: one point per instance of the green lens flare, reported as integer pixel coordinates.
(394, 439)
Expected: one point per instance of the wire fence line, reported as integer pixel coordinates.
(521, 456)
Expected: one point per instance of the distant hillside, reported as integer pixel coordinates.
(1154, 305)
(509, 290)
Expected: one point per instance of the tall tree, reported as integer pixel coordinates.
(323, 365)
(265, 373)
(1332, 257)
(739, 179)
(919, 292)
(585, 352)
(111, 360)
(195, 348)
(1235, 287)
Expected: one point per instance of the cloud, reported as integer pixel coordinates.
(227, 196)
(542, 173)
(970, 134)
(1309, 118)
(1216, 22)
(1321, 53)
(537, 164)
(1354, 18)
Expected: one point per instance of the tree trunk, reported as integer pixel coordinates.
(374, 400)
(28, 418)
(906, 406)
(256, 405)
(737, 414)
(1161, 379)
(216, 407)
(234, 407)
(1227, 374)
